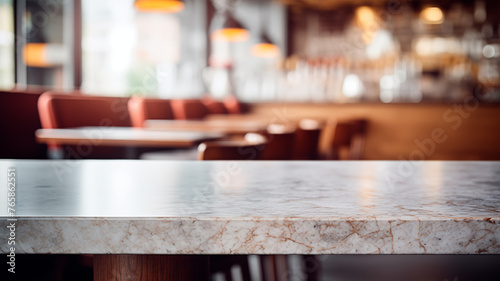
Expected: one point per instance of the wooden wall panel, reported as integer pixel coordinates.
(463, 131)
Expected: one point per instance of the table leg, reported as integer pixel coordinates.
(150, 267)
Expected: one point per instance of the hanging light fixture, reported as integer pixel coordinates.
(224, 26)
(159, 6)
(265, 48)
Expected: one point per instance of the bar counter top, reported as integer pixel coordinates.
(253, 207)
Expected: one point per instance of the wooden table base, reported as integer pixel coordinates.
(150, 267)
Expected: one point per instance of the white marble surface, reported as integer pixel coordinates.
(254, 207)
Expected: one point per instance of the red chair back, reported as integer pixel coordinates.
(142, 109)
(77, 110)
(59, 110)
(214, 107)
(233, 106)
(189, 109)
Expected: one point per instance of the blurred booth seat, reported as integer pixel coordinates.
(19, 119)
(59, 110)
(189, 109)
(142, 109)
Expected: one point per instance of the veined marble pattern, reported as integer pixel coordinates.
(255, 207)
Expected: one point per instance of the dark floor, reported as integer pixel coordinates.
(327, 267)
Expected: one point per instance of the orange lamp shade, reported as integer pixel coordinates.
(35, 54)
(231, 34)
(159, 6)
(265, 50)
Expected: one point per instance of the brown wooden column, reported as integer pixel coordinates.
(150, 267)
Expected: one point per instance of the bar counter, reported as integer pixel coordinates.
(162, 207)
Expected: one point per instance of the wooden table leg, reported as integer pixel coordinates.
(150, 267)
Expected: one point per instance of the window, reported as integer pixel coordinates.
(126, 52)
(6, 44)
(45, 43)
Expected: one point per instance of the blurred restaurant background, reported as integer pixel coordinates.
(254, 80)
(404, 68)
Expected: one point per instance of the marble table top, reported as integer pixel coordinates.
(253, 207)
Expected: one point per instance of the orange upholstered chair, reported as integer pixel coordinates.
(214, 107)
(58, 110)
(232, 105)
(142, 109)
(189, 109)
(19, 120)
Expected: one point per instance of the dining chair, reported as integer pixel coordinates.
(59, 110)
(341, 141)
(214, 106)
(142, 109)
(280, 143)
(348, 140)
(233, 105)
(19, 119)
(359, 127)
(307, 139)
(249, 148)
(189, 109)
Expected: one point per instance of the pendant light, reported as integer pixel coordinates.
(159, 6)
(224, 26)
(265, 48)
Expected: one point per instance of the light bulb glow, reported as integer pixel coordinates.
(230, 34)
(432, 15)
(160, 6)
(265, 50)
